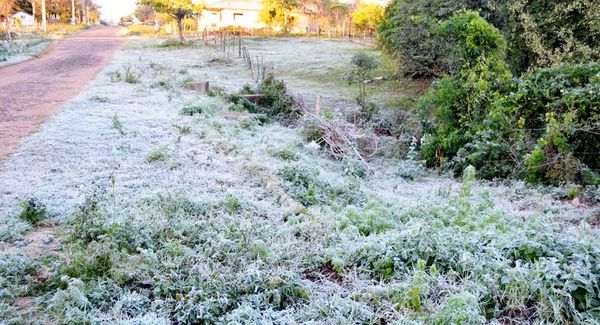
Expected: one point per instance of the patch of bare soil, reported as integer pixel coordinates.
(37, 243)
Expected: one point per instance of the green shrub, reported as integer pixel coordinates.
(544, 33)
(411, 33)
(542, 127)
(462, 103)
(33, 212)
(191, 110)
(539, 32)
(558, 108)
(276, 101)
(159, 154)
(362, 67)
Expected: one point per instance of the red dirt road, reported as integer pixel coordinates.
(33, 90)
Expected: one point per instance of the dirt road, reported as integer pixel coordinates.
(33, 90)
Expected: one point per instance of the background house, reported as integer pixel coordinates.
(22, 19)
(231, 13)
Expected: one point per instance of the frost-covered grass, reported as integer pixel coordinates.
(170, 210)
(21, 49)
(28, 44)
(317, 67)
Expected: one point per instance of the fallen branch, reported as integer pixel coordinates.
(368, 81)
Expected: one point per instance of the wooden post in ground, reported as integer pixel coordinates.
(257, 69)
(240, 45)
(318, 106)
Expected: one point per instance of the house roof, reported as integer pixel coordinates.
(218, 5)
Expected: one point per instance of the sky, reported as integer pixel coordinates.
(112, 10)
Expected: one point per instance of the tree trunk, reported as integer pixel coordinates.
(180, 30)
(44, 23)
(8, 33)
(33, 14)
(72, 12)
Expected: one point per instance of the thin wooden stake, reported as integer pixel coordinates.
(318, 106)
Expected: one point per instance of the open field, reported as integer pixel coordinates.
(155, 217)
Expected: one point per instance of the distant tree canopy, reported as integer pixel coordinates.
(60, 9)
(6, 9)
(144, 13)
(178, 9)
(278, 13)
(367, 16)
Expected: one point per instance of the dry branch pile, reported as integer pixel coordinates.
(341, 139)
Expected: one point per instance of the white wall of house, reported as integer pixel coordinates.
(22, 18)
(215, 19)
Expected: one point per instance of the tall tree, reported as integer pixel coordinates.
(144, 13)
(44, 22)
(278, 12)
(367, 17)
(6, 10)
(178, 9)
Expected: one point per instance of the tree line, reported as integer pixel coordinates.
(279, 15)
(43, 11)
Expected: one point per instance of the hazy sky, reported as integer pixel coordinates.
(115, 9)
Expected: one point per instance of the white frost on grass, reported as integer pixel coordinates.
(21, 50)
(261, 262)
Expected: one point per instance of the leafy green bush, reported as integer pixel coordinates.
(33, 212)
(276, 101)
(540, 33)
(160, 154)
(542, 126)
(558, 108)
(411, 33)
(461, 103)
(544, 33)
(362, 69)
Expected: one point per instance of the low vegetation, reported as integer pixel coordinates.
(230, 208)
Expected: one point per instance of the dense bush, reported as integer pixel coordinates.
(542, 127)
(461, 103)
(550, 32)
(559, 108)
(33, 212)
(411, 33)
(539, 32)
(276, 101)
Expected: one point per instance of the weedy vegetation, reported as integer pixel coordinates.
(274, 213)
